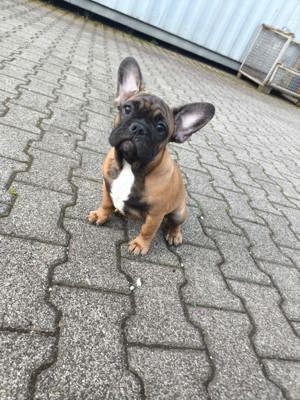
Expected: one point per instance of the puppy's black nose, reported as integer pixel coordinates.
(137, 128)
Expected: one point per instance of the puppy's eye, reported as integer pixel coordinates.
(127, 109)
(161, 128)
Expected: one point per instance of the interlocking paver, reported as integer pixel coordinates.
(91, 347)
(273, 335)
(262, 245)
(59, 141)
(216, 318)
(49, 170)
(171, 374)
(192, 231)
(159, 316)
(223, 178)
(205, 285)
(21, 355)
(91, 162)
(287, 374)
(281, 231)
(215, 215)
(92, 258)
(239, 205)
(238, 374)
(289, 287)
(37, 102)
(23, 118)
(24, 267)
(238, 262)
(293, 215)
(36, 214)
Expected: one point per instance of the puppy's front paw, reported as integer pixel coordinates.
(137, 246)
(174, 237)
(97, 216)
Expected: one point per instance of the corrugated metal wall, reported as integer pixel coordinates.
(224, 27)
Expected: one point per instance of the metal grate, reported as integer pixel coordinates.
(263, 53)
(273, 61)
(287, 80)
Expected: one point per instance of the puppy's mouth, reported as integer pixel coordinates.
(128, 150)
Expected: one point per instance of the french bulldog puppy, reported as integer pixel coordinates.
(140, 179)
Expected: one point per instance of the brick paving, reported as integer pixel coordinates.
(217, 318)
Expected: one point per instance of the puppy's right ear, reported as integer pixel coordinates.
(130, 80)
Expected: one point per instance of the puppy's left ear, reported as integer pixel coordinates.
(130, 80)
(189, 119)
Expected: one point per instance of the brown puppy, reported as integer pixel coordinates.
(139, 177)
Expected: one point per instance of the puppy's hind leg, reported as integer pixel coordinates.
(174, 220)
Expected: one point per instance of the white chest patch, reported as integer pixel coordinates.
(121, 187)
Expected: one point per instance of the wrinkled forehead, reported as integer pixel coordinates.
(154, 106)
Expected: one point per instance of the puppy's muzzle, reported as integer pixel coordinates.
(136, 128)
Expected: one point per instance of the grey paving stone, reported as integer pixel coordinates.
(289, 189)
(241, 175)
(24, 267)
(296, 326)
(96, 139)
(293, 255)
(209, 157)
(286, 374)
(7, 167)
(23, 118)
(287, 281)
(262, 246)
(214, 213)
(21, 355)
(15, 71)
(100, 94)
(274, 193)
(281, 232)
(188, 158)
(293, 215)
(36, 101)
(13, 142)
(199, 182)
(91, 354)
(89, 195)
(49, 76)
(8, 83)
(100, 106)
(258, 199)
(4, 209)
(70, 90)
(238, 373)
(238, 262)
(64, 120)
(70, 104)
(97, 119)
(79, 82)
(159, 316)
(192, 231)
(171, 374)
(42, 87)
(59, 141)
(92, 258)
(4, 95)
(273, 335)
(239, 206)
(222, 178)
(91, 164)
(49, 170)
(205, 284)
(36, 214)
